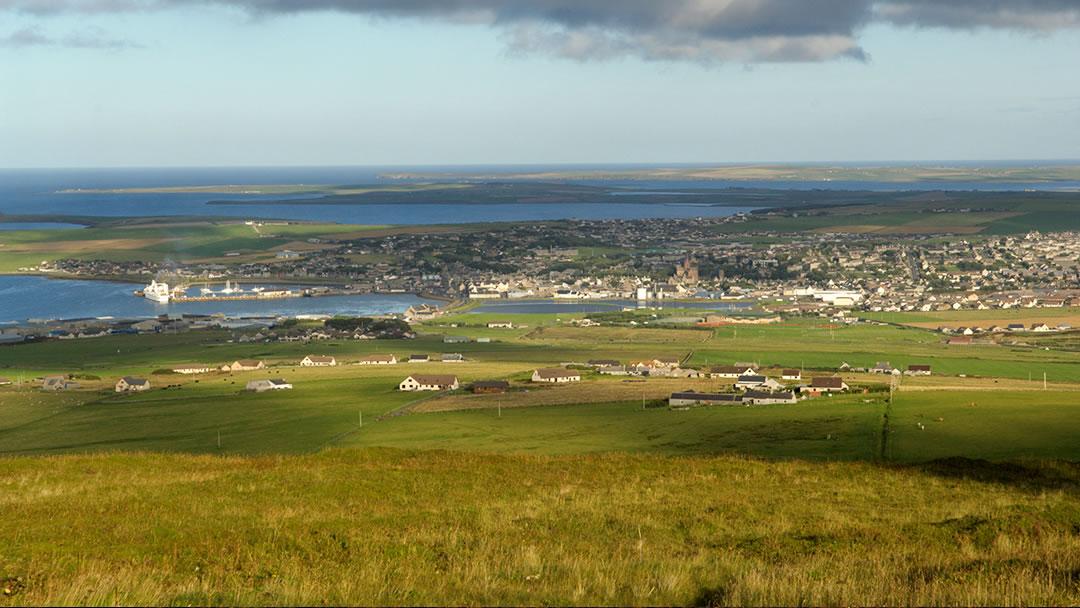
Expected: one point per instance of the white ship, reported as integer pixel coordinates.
(158, 292)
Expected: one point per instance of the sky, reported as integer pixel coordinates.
(128, 83)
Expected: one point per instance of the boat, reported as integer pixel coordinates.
(157, 292)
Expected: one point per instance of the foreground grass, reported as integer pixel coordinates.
(415, 528)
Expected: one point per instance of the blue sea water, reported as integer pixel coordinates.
(28, 297)
(35, 191)
(38, 226)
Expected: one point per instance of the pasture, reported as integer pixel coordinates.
(403, 527)
(984, 424)
(599, 414)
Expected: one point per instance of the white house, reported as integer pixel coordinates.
(429, 382)
(318, 361)
(378, 360)
(261, 386)
(194, 368)
(749, 382)
(765, 398)
(127, 384)
(243, 365)
(731, 371)
(825, 384)
(555, 374)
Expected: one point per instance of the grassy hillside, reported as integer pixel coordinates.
(420, 528)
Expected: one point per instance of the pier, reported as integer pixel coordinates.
(276, 294)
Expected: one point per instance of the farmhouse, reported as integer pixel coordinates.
(614, 370)
(419, 358)
(604, 363)
(261, 386)
(318, 361)
(820, 384)
(429, 382)
(127, 384)
(748, 382)
(453, 358)
(791, 374)
(918, 370)
(378, 360)
(506, 324)
(668, 362)
(58, 383)
(490, 386)
(692, 398)
(765, 398)
(883, 367)
(193, 368)
(243, 365)
(555, 374)
(732, 371)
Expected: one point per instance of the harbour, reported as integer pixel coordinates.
(161, 292)
(26, 297)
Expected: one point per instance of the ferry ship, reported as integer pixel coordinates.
(158, 292)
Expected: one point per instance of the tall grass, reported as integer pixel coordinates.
(380, 526)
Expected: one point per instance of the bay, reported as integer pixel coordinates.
(35, 191)
(32, 297)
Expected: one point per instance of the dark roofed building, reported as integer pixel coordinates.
(826, 384)
(490, 386)
(766, 398)
(604, 363)
(693, 398)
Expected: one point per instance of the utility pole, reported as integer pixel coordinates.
(1044, 381)
(643, 400)
(219, 440)
(361, 417)
(500, 408)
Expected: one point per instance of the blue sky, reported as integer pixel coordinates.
(211, 84)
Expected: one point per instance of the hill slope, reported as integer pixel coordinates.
(378, 526)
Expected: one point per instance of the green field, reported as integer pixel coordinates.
(325, 407)
(992, 425)
(198, 493)
(393, 527)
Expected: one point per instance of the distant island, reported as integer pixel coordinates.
(786, 173)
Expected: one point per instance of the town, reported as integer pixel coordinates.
(661, 259)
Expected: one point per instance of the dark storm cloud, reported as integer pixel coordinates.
(706, 31)
(1031, 15)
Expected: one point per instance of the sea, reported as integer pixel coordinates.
(37, 191)
(29, 297)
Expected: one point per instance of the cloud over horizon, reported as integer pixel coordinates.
(86, 39)
(704, 31)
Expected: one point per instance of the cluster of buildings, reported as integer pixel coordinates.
(671, 258)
